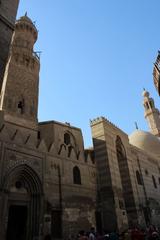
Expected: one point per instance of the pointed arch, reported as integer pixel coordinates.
(23, 175)
(71, 144)
(120, 147)
(67, 138)
(62, 146)
(126, 180)
(27, 175)
(76, 175)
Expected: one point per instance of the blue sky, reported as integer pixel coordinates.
(97, 56)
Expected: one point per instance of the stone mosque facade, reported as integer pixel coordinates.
(50, 184)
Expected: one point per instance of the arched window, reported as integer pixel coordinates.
(21, 106)
(154, 181)
(67, 138)
(120, 148)
(76, 175)
(139, 178)
(124, 174)
(147, 105)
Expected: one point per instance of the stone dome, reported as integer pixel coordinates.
(25, 22)
(145, 141)
(25, 18)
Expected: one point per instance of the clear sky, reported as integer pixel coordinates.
(97, 56)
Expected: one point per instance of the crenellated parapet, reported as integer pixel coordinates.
(102, 119)
(97, 120)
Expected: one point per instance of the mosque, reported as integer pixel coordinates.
(50, 185)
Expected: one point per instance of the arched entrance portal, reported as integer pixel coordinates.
(23, 203)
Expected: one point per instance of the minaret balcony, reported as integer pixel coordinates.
(36, 55)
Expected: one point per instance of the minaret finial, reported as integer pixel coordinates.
(136, 125)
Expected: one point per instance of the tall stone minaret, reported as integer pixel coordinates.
(151, 114)
(19, 94)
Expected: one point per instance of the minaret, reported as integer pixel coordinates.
(151, 114)
(19, 94)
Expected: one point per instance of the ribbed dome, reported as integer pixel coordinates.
(25, 19)
(26, 23)
(145, 141)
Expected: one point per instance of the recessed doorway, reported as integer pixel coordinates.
(17, 223)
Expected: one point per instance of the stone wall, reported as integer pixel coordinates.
(8, 11)
(76, 201)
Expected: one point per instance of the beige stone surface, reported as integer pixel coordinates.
(45, 169)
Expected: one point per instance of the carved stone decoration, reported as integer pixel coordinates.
(69, 145)
(13, 157)
(16, 158)
(25, 178)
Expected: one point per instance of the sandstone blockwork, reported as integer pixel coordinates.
(8, 10)
(50, 185)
